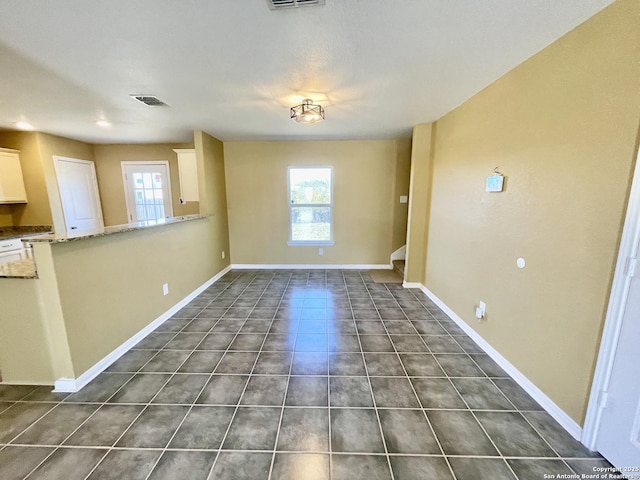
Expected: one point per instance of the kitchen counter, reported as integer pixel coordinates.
(26, 268)
(21, 269)
(127, 227)
(19, 232)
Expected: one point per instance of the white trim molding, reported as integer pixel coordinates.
(315, 266)
(627, 257)
(538, 395)
(399, 254)
(71, 385)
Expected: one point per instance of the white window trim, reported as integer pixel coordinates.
(309, 243)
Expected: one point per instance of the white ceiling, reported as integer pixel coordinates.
(233, 67)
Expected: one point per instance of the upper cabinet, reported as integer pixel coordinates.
(188, 172)
(11, 181)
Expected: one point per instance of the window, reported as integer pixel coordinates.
(147, 190)
(310, 206)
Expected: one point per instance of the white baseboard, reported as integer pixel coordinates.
(412, 285)
(315, 266)
(538, 395)
(74, 384)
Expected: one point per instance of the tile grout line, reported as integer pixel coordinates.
(517, 410)
(195, 398)
(433, 432)
(284, 400)
(373, 398)
(101, 404)
(147, 404)
(224, 437)
(467, 404)
(251, 281)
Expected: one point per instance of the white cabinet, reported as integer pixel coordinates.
(12, 250)
(188, 172)
(11, 181)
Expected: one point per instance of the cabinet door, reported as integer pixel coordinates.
(188, 171)
(11, 182)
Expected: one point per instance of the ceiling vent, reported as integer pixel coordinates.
(149, 100)
(280, 4)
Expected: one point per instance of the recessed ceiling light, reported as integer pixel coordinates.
(103, 123)
(22, 125)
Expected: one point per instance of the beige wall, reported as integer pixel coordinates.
(38, 210)
(24, 350)
(364, 204)
(111, 287)
(419, 202)
(6, 216)
(563, 128)
(400, 211)
(109, 173)
(213, 197)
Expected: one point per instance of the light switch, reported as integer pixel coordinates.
(404, 198)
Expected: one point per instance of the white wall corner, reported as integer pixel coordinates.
(399, 254)
(570, 425)
(71, 385)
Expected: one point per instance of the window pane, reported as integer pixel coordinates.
(310, 224)
(310, 185)
(141, 213)
(146, 177)
(157, 180)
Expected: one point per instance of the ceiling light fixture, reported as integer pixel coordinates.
(307, 112)
(103, 123)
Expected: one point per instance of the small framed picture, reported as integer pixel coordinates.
(494, 183)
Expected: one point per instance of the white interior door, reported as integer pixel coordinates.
(79, 194)
(147, 190)
(619, 435)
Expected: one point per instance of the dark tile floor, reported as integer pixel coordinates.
(299, 375)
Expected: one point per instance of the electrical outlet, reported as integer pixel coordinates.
(481, 310)
(165, 289)
(223, 255)
(321, 251)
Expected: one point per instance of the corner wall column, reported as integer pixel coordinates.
(419, 203)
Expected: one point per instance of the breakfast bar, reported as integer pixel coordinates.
(84, 296)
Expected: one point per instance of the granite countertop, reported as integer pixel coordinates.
(20, 269)
(127, 227)
(18, 232)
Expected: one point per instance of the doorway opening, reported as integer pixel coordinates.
(147, 190)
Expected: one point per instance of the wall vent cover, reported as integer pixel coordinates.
(279, 4)
(149, 100)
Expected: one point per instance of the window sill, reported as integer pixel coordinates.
(310, 244)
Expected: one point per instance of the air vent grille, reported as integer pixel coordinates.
(279, 4)
(149, 100)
